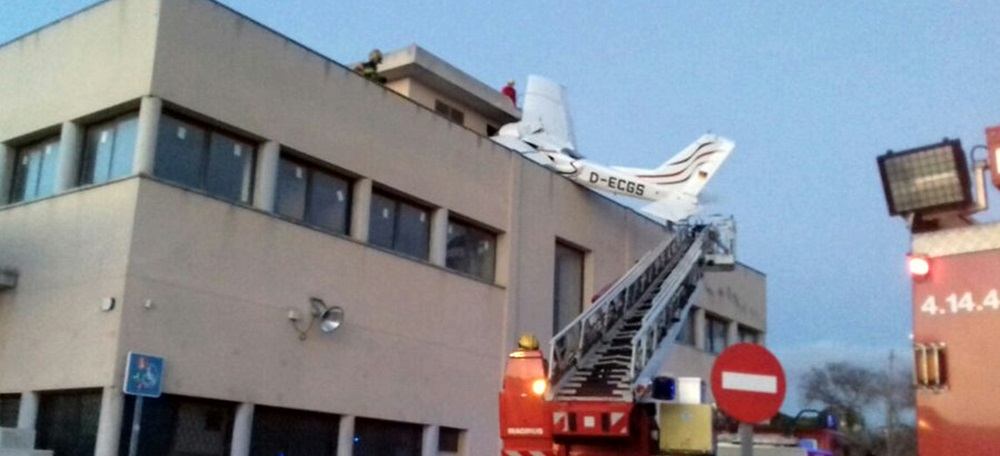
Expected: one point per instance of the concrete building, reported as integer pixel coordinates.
(179, 180)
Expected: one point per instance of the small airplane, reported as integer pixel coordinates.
(545, 135)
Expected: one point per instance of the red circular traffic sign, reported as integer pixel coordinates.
(748, 383)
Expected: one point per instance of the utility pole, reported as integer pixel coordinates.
(890, 413)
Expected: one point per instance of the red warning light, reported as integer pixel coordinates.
(919, 266)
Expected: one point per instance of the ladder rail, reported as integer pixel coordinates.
(672, 301)
(571, 343)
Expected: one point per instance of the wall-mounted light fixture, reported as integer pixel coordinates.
(330, 317)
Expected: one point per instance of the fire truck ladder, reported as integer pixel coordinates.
(620, 342)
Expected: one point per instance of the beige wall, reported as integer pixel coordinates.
(739, 295)
(98, 58)
(420, 343)
(415, 343)
(71, 252)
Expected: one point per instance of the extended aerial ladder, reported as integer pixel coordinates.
(601, 366)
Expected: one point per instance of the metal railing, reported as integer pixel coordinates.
(574, 341)
(669, 306)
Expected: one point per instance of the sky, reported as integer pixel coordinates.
(810, 92)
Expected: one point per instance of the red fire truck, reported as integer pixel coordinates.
(955, 266)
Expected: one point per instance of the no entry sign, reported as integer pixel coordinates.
(748, 383)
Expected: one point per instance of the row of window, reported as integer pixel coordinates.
(716, 330)
(219, 163)
(174, 425)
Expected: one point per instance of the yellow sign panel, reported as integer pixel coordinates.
(686, 428)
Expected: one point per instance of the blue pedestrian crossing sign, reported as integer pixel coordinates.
(143, 375)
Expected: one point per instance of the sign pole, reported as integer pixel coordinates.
(133, 443)
(746, 439)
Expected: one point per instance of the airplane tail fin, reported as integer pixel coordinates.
(545, 120)
(689, 171)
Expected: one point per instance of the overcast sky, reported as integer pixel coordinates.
(810, 91)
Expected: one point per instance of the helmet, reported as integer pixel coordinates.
(527, 341)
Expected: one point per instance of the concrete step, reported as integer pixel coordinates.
(17, 439)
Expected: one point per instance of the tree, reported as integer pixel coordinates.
(855, 393)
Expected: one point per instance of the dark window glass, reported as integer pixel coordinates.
(108, 150)
(471, 250)
(67, 422)
(313, 195)
(715, 334)
(686, 335)
(448, 439)
(35, 171)
(383, 438)
(290, 199)
(180, 152)
(748, 335)
(329, 202)
(204, 159)
(452, 113)
(177, 425)
(412, 231)
(399, 225)
(230, 163)
(10, 406)
(382, 221)
(278, 431)
(568, 286)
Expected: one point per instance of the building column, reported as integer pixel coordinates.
(6, 172)
(699, 328)
(361, 206)
(345, 436)
(109, 425)
(27, 414)
(732, 333)
(242, 429)
(429, 446)
(70, 151)
(439, 236)
(145, 141)
(267, 176)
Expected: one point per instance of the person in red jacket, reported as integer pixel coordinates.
(510, 92)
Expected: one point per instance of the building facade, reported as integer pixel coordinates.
(178, 180)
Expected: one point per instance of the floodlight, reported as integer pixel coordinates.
(927, 179)
(330, 317)
(993, 148)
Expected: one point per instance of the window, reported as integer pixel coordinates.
(686, 334)
(471, 250)
(293, 432)
(450, 112)
(201, 158)
(35, 170)
(177, 425)
(568, 286)
(380, 438)
(715, 334)
(67, 421)
(10, 406)
(491, 130)
(449, 440)
(748, 335)
(399, 225)
(313, 195)
(108, 150)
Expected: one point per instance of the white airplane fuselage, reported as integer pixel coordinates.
(600, 177)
